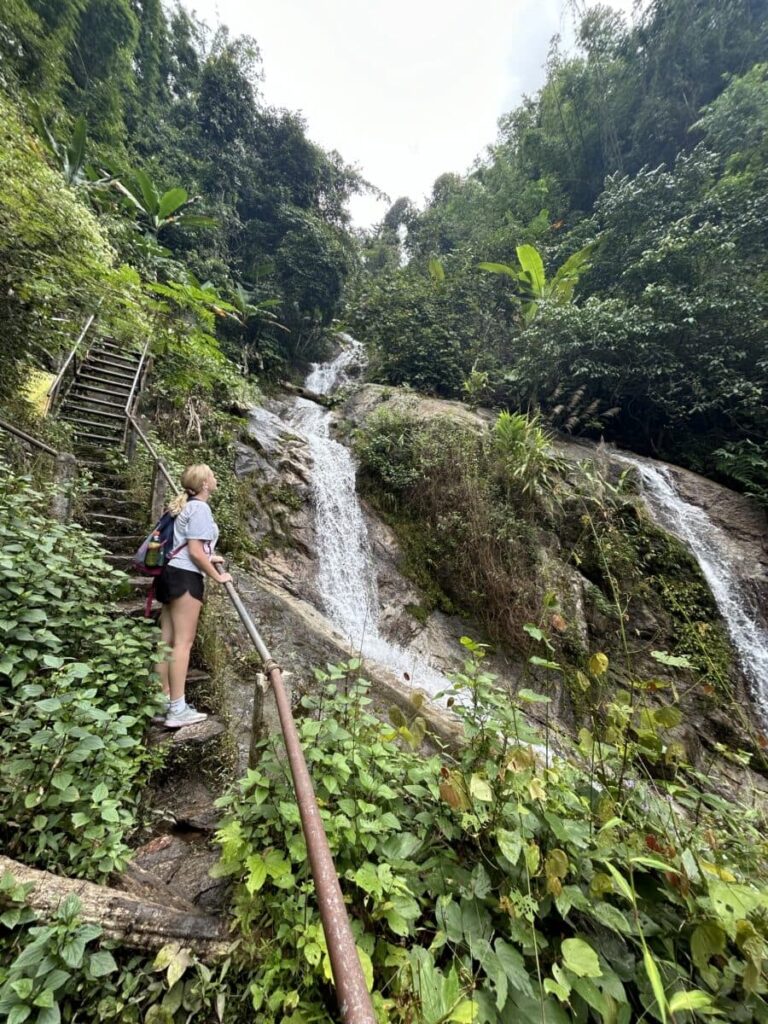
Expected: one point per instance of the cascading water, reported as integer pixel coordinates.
(346, 571)
(710, 547)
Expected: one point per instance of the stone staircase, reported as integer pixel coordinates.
(94, 405)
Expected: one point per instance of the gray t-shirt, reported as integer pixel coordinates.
(194, 522)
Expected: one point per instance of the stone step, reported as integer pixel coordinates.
(87, 439)
(110, 356)
(101, 410)
(103, 368)
(111, 346)
(113, 428)
(202, 732)
(99, 382)
(125, 546)
(120, 524)
(116, 397)
(123, 561)
(108, 503)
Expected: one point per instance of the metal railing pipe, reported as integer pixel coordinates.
(53, 390)
(147, 444)
(352, 993)
(29, 439)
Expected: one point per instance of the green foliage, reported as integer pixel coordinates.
(463, 511)
(76, 691)
(65, 970)
(495, 880)
(531, 278)
(525, 455)
(71, 155)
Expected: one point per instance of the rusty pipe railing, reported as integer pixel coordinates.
(351, 991)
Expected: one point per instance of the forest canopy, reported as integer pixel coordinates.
(645, 149)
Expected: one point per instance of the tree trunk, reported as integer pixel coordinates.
(134, 922)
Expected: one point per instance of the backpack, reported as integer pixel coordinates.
(153, 552)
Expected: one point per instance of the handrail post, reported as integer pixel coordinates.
(64, 474)
(351, 991)
(159, 491)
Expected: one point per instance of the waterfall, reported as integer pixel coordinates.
(346, 569)
(709, 545)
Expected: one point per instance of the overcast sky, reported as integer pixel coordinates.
(404, 89)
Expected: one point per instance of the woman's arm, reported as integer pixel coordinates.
(202, 560)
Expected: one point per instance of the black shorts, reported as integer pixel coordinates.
(173, 582)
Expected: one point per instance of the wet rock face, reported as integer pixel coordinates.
(743, 522)
(277, 463)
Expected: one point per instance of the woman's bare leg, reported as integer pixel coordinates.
(184, 612)
(166, 635)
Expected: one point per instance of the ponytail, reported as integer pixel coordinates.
(192, 480)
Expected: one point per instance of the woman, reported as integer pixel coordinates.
(180, 586)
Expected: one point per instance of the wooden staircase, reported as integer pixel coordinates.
(95, 403)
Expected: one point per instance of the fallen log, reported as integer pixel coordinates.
(134, 922)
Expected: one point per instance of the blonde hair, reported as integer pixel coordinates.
(192, 480)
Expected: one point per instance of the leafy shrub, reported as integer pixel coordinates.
(437, 481)
(525, 455)
(76, 690)
(505, 881)
(57, 265)
(65, 970)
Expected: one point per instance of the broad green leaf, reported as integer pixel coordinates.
(532, 264)
(76, 151)
(693, 1000)
(673, 660)
(257, 873)
(708, 940)
(148, 192)
(498, 268)
(510, 844)
(101, 962)
(579, 957)
(170, 201)
(621, 882)
(479, 789)
(368, 968)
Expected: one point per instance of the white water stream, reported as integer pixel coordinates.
(712, 551)
(347, 573)
(346, 569)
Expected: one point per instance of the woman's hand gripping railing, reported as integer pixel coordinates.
(351, 992)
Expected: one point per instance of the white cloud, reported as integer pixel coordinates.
(405, 89)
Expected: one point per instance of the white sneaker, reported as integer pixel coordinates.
(189, 716)
(160, 717)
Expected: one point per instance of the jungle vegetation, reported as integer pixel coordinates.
(600, 270)
(645, 151)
